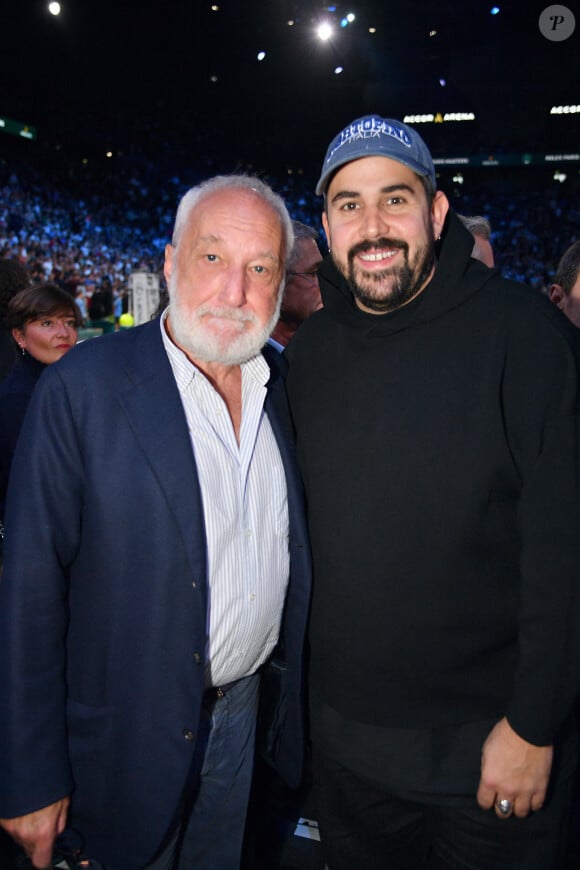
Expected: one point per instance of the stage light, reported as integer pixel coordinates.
(290, 23)
(344, 22)
(350, 17)
(442, 82)
(215, 8)
(372, 29)
(109, 154)
(338, 70)
(324, 31)
(432, 33)
(560, 176)
(494, 10)
(261, 55)
(54, 8)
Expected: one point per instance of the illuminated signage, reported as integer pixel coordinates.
(565, 110)
(512, 159)
(17, 128)
(439, 118)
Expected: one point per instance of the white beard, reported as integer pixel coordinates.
(206, 345)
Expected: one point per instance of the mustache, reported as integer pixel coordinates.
(226, 313)
(368, 245)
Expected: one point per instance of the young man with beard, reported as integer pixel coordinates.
(155, 537)
(435, 409)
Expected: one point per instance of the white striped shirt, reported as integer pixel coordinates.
(245, 507)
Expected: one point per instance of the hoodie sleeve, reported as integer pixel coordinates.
(540, 396)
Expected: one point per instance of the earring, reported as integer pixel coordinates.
(22, 349)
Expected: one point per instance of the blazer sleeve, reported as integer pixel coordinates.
(43, 511)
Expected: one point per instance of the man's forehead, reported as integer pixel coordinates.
(222, 211)
(378, 172)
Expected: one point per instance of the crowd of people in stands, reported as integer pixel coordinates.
(89, 229)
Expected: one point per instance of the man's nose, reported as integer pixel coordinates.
(233, 289)
(375, 223)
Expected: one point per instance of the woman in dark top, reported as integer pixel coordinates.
(44, 321)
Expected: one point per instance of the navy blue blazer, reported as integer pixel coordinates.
(103, 599)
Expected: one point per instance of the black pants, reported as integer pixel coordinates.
(362, 826)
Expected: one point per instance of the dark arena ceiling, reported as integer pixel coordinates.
(184, 77)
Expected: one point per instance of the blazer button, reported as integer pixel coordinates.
(189, 735)
(197, 658)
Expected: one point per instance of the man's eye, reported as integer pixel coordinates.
(260, 270)
(348, 206)
(212, 258)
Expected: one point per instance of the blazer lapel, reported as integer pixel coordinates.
(156, 417)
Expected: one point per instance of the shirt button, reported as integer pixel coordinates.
(189, 735)
(197, 658)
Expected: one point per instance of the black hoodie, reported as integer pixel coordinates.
(439, 452)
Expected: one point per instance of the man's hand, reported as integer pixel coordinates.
(513, 769)
(36, 832)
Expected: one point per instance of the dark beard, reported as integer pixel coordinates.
(406, 282)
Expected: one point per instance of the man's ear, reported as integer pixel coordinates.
(168, 262)
(325, 227)
(439, 209)
(557, 296)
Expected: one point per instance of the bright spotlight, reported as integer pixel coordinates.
(54, 8)
(261, 55)
(442, 82)
(494, 10)
(324, 31)
(350, 17)
(338, 70)
(344, 22)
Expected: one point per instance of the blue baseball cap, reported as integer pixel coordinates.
(372, 136)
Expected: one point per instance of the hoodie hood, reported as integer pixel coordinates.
(457, 277)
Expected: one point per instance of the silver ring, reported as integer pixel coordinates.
(504, 806)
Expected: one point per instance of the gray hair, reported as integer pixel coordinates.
(568, 268)
(234, 182)
(301, 231)
(477, 225)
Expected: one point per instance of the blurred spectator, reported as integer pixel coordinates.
(13, 277)
(43, 321)
(480, 229)
(301, 291)
(565, 291)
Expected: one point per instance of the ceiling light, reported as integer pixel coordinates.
(324, 31)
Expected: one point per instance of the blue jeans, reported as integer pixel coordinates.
(210, 830)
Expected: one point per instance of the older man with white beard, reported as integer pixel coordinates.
(155, 536)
